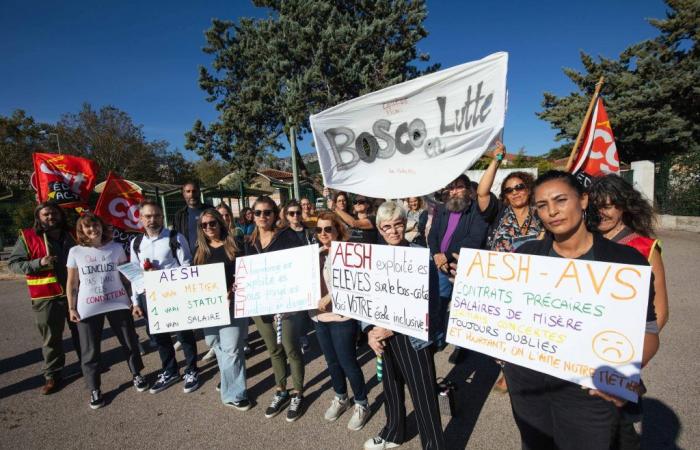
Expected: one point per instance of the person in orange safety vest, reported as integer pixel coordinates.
(40, 255)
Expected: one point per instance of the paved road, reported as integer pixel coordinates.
(173, 419)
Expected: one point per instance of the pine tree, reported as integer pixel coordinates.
(270, 74)
(651, 91)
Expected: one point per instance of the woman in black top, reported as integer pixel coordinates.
(550, 412)
(216, 244)
(362, 224)
(291, 217)
(268, 237)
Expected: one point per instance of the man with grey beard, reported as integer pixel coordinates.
(456, 224)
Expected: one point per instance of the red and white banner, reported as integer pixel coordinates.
(119, 204)
(67, 180)
(598, 154)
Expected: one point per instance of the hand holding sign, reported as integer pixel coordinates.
(581, 321)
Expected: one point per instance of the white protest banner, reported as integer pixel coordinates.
(277, 282)
(581, 321)
(186, 298)
(415, 137)
(384, 285)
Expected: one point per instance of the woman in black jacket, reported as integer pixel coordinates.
(550, 412)
(267, 237)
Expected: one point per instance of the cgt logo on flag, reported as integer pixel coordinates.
(119, 204)
(598, 155)
(68, 180)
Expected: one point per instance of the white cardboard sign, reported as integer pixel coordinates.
(186, 298)
(384, 285)
(581, 321)
(277, 282)
(413, 138)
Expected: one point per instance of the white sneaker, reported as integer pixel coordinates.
(336, 409)
(177, 345)
(359, 418)
(211, 354)
(377, 443)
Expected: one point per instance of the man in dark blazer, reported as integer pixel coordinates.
(456, 224)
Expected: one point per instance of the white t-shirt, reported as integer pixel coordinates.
(101, 289)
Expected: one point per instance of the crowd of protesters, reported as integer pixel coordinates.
(551, 216)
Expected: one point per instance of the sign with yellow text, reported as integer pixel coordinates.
(581, 321)
(185, 298)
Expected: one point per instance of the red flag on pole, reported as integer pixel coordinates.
(598, 153)
(119, 203)
(68, 180)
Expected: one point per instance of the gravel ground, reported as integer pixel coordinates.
(173, 419)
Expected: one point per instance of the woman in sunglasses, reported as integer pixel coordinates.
(292, 218)
(512, 218)
(362, 224)
(268, 237)
(216, 244)
(336, 334)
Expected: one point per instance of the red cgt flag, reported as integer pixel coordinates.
(598, 154)
(119, 204)
(68, 180)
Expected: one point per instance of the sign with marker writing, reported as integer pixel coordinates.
(384, 285)
(277, 282)
(186, 298)
(581, 321)
(415, 137)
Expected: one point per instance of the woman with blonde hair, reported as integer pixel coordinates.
(216, 244)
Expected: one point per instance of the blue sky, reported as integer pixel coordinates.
(142, 56)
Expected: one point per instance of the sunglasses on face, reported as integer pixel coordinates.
(518, 187)
(359, 201)
(293, 213)
(328, 230)
(263, 212)
(212, 224)
(457, 187)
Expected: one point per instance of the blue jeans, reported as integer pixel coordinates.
(337, 341)
(227, 342)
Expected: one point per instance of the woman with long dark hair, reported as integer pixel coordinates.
(95, 292)
(268, 237)
(216, 244)
(549, 412)
(625, 217)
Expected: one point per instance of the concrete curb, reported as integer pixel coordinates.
(679, 223)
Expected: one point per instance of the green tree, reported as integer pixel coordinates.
(270, 74)
(650, 91)
(210, 172)
(111, 138)
(19, 137)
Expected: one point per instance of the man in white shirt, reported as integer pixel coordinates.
(159, 248)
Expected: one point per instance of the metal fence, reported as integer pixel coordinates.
(676, 186)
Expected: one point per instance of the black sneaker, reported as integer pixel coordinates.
(191, 382)
(247, 351)
(140, 383)
(218, 386)
(164, 381)
(294, 411)
(96, 399)
(241, 405)
(305, 346)
(279, 401)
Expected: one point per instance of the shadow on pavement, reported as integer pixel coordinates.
(474, 378)
(660, 425)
